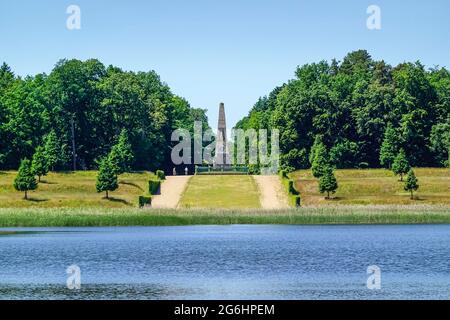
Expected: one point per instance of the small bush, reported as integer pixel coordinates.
(291, 188)
(160, 174)
(145, 201)
(283, 174)
(153, 186)
(293, 194)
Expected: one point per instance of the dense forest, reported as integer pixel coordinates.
(363, 111)
(82, 107)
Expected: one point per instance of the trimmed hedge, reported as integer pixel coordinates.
(145, 201)
(161, 175)
(153, 186)
(293, 194)
(294, 200)
(283, 174)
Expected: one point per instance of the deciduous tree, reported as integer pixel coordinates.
(401, 165)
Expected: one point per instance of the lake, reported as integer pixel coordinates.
(227, 262)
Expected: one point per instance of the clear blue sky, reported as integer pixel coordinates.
(211, 51)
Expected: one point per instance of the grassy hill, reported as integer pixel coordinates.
(356, 187)
(376, 187)
(221, 192)
(73, 189)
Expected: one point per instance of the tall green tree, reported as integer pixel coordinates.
(52, 150)
(401, 165)
(39, 164)
(319, 159)
(411, 183)
(106, 178)
(440, 141)
(121, 155)
(352, 105)
(327, 182)
(25, 179)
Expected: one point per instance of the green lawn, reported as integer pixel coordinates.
(376, 187)
(73, 189)
(221, 192)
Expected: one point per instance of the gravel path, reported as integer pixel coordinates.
(171, 190)
(272, 195)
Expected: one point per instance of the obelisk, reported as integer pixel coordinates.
(222, 158)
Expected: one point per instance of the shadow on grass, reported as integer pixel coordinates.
(117, 200)
(331, 198)
(36, 200)
(131, 184)
(47, 182)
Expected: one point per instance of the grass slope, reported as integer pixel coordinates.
(376, 187)
(73, 189)
(221, 192)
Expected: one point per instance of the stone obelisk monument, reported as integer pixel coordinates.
(222, 158)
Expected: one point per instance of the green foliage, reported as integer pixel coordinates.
(154, 186)
(145, 201)
(389, 147)
(327, 182)
(411, 183)
(319, 159)
(121, 155)
(25, 180)
(106, 178)
(354, 107)
(401, 165)
(52, 150)
(161, 175)
(292, 192)
(81, 107)
(345, 154)
(440, 141)
(39, 164)
(447, 162)
(283, 174)
(294, 201)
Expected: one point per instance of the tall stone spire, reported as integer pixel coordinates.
(222, 125)
(222, 158)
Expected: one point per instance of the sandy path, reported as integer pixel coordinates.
(272, 195)
(171, 190)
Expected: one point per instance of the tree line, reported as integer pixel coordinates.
(362, 112)
(74, 116)
(115, 163)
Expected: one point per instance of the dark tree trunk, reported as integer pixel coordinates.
(26, 196)
(107, 197)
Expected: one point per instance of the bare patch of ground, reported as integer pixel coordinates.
(272, 195)
(171, 190)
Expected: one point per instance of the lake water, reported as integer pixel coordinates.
(227, 262)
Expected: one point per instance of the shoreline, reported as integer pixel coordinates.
(339, 215)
